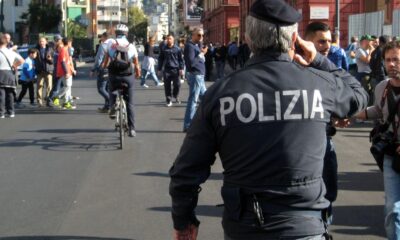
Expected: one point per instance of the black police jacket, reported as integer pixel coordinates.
(267, 122)
(170, 58)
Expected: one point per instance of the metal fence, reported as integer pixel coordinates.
(366, 23)
(396, 23)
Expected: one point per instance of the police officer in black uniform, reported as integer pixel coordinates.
(267, 122)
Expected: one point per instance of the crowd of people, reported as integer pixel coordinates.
(46, 74)
(336, 81)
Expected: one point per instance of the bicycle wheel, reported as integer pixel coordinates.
(121, 121)
(125, 117)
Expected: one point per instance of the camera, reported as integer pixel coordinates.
(380, 143)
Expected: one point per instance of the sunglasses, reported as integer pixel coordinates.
(200, 35)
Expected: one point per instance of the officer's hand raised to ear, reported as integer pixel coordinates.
(309, 52)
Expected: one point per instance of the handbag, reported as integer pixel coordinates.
(12, 69)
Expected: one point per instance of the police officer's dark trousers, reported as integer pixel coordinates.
(329, 174)
(116, 82)
(171, 77)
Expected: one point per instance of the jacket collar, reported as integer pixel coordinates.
(269, 56)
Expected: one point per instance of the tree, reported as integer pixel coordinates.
(75, 30)
(137, 23)
(42, 18)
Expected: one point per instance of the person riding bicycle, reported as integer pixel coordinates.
(122, 73)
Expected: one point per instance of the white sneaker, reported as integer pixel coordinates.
(169, 104)
(160, 84)
(145, 86)
(12, 115)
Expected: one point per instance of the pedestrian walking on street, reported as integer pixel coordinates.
(209, 56)
(270, 134)
(148, 65)
(28, 77)
(351, 55)
(233, 51)
(44, 69)
(9, 61)
(385, 110)
(65, 72)
(195, 69)
(377, 64)
(244, 53)
(102, 73)
(220, 58)
(337, 55)
(363, 57)
(170, 62)
(53, 100)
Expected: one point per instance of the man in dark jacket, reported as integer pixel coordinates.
(220, 58)
(171, 62)
(267, 123)
(378, 72)
(44, 69)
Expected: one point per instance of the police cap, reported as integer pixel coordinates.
(275, 11)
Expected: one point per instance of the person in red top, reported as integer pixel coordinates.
(65, 71)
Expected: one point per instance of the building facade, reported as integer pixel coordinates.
(12, 22)
(325, 11)
(221, 20)
(190, 13)
(107, 14)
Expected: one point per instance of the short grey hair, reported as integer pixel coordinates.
(263, 35)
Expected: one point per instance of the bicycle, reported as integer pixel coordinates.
(121, 118)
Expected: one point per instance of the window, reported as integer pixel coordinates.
(18, 3)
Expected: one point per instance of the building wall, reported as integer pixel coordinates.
(220, 19)
(12, 14)
(347, 8)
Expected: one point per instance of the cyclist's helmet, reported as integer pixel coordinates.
(121, 29)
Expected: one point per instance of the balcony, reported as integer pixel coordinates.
(77, 3)
(112, 3)
(113, 18)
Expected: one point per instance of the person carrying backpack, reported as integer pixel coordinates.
(119, 56)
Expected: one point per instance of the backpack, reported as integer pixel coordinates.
(120, 64)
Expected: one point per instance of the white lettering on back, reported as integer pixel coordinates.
(261, 116)
(288, 113)
(225, 111)
(253, 106)
(317, 105)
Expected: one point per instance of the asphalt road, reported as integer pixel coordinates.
(63, 177)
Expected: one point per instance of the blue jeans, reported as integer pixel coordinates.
(391, 181)
(102, 87)
(197, 88)
(146, 73)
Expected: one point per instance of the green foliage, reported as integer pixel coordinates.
(75, 30)
(42, 18)
(137, 23)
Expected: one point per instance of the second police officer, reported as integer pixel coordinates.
(267, 123)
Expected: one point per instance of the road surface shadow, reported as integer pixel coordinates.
(361, 181)
(61, 238)
(75, 143)
(356, 136)
(359, 220)
(157, 131)
(201, 210)
(213, 176)
(72, 130)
